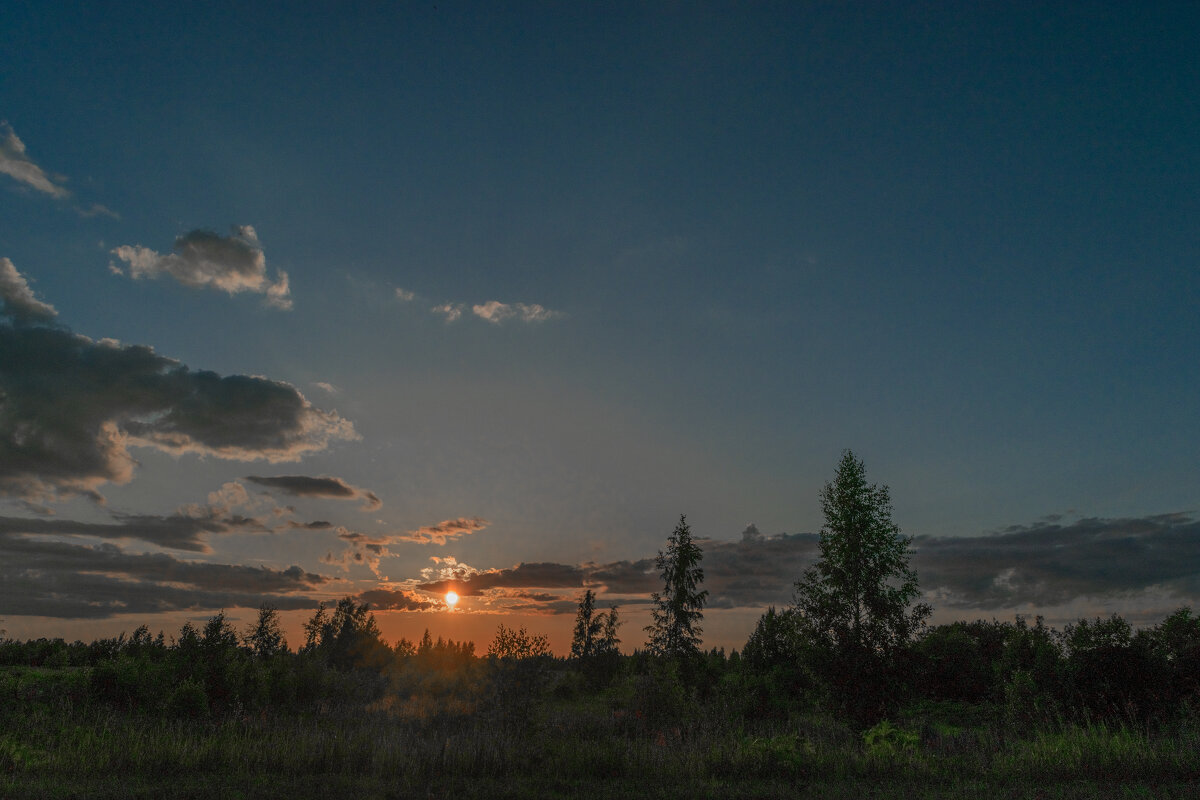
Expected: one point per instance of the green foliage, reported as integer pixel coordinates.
(856, 604)
(1109, 671)
(952, 664)
(678, 608)
(885, 740)
(188, 700)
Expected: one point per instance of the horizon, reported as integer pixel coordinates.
(376, 302)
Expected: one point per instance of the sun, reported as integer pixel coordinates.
(451, 598)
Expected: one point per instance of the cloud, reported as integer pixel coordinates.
(15, 163)
(61, 579)
(368, 550)
(177, 531)
(202, 258)
(1044, 564)
(1050, 564)
(395, 599)
(327, 387)
(542, 575)
(71, 408)
(97, 210)
(19, 303)
(496, 312)
(405, 296)
(451, 311)
(444, 531)
(305, 486)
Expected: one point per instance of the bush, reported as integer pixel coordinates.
(188, 700)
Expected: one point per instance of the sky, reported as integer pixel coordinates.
(306, 303)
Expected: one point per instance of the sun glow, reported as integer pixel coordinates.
(451, 599)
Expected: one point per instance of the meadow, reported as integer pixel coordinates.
(140, 717)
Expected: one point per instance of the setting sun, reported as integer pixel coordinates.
(451, 599)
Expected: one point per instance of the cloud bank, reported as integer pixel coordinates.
(62, 579)
(20, 305)
(71, 408)
(203, 259)
(1044, 564)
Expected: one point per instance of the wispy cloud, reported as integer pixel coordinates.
(443, 531)
(368, 550)
(404, 295)
(496, 312)
(232, 264)
(73, 408)
(327, 487)
(16, 163)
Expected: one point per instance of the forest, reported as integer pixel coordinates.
(845, 693)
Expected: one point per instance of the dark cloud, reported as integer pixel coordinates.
(232, 264)
(178, 532)
(71, 407)
(1050, 564)
(395, 600)
(542, 575)
(19, 304)
(305, 486)
(1044, 564)
(49, 578)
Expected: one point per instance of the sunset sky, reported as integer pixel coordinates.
(304, 302)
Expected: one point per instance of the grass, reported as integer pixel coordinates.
(53, 746)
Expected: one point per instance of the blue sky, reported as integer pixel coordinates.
(556, 275)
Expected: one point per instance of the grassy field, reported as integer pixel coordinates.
(55, 745)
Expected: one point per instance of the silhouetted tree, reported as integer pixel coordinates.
(518, 644)
(678, 608)
(595, 633)
(855, 604)
(265, 638)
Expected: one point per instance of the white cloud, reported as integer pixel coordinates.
(15, 163)
(232, 264)
(404, 295)
(451, 311)
(496, 312)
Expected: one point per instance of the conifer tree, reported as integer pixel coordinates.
(678, 608)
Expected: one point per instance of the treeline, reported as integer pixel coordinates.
(1031, 674)
(853, 644)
